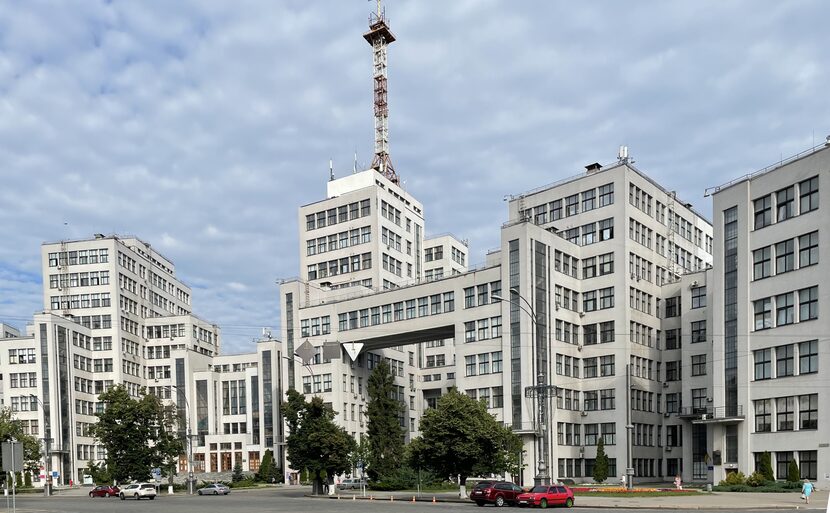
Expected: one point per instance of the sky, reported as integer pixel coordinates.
(201, 126)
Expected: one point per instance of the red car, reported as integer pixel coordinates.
(104, 491)
(497, 492)
(544, 496)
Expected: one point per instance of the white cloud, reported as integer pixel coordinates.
(201, 126)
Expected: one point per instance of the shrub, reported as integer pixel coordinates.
(601, 463)
(765, 466)
(237, 473)
(734, 478)
(757, 479)
(793, 473)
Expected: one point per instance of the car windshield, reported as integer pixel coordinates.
(539, 489)
(484, 485)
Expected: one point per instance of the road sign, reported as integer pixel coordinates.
(12, 456)
(352, 349)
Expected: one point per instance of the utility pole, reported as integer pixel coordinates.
(629, 430)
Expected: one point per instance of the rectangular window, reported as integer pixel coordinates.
(784, 413)
(808, 304)
(606, 264)
(762, 260)
(763, 212)
(808, 463)
(808, 249)
(763, 416)
(808, 411)
(606, 194)
(699, 365)
(606, 298)
(572, 205)
(808, 195)
(698, 331)
(556, 210)
(785, 309)
(470, 365)
(763, 364)
(589, 368)
(606, 365)
(785, 256)
(784, 361)
(606, 333)
(698, 297)
(763, 313)
(785, 201)
(588, 200)
(469, 297)
(808, 357)
(470, 331)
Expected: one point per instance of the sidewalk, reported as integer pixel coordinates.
(729, 501)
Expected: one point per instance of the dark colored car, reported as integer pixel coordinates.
(544, 496)
(497, 493)
(104, 491)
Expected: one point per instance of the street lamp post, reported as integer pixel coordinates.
(541, 390)
(189, 435)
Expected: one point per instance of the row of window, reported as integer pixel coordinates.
(487, 328)
(481, 295)
(786, 410)
(785, 204)
(340, 240)
(784, 257)
(591, 233)
(23, 380)
(337, 266)
(674, 337)
(784, 306)
(338, 215)
(483, 363)
(403, 310)
(807, 463)
(80, 301)
(491, 397)
(591, 199)
(86, 279)
(22, 356)
(785, 360)
(642, 201)
(84, 256)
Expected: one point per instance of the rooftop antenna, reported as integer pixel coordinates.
(379, 36)
(354, 165)
(622, 155)
(331, 170)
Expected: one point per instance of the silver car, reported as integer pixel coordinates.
(214, 489)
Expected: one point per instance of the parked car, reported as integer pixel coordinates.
(138, 491)
(497, 492)
(351, 484)
(544, 496)
(214, 489)
(104, 491)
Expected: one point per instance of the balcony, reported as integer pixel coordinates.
(713, 414)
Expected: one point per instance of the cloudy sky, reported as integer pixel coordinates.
(200, 126)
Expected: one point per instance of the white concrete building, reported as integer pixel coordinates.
(770, 360)
(569, 266)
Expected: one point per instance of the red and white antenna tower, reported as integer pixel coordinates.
(379, 36)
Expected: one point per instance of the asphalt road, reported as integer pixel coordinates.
(280, 500)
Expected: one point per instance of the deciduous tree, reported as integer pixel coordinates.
(315, 442)
(10, 429)
(138, 434)
(460, 437)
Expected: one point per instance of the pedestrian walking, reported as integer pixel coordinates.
(806, 490)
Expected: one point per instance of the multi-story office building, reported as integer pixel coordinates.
(770, 367)
(115, 313)
(580, 299)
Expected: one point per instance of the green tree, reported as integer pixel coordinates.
(10, 429)
(793, 473)
(315, 442)
(386, 436)
(268, 470)
(138, 434)
(601, 464)
(460, 437)
(99, 473)
(360, 456)
(237, 473)
(765, 466)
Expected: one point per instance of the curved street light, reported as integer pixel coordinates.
(190, 477)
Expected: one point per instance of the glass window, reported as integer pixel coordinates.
(699, 365)
(762, 259)
(784, 256)
(785, 309)
(698, 331)
(763, 416)
(606, 194)
(808, 249)
(763, 313)
(784, 413)
(763, 364)
(808, 411)
(808, 304)
(785, 201)
(784, 361)
(808, 191)
(698, 297)
(808, 357)
(763, 212)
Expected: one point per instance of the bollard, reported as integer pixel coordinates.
(391, 498)
(371, 497)
(433, 499)
(413, 499)
(354, 497)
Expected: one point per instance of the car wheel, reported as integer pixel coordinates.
(122, 497)
(136, 497)
(499, 501)
(215, 492)
(479, 503)
(107, 495)
(569, 503)
(152, 497)
(199, 492)
(543, 503)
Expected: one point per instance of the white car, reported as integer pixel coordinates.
(138, 491)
